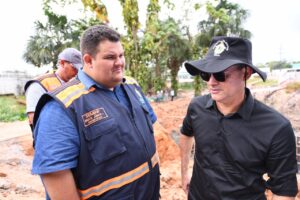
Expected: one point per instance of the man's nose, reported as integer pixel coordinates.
(119, 61)
(212, 80)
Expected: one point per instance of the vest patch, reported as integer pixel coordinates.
(94, 116)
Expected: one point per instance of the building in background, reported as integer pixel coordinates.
(12, 81)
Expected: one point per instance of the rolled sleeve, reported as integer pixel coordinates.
(282, 163)
(56, 141)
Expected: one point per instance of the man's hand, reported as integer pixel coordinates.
(276, 197)
(185, 144)
(185, 183)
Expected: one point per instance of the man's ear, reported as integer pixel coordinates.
(87, 60)
(61, 63)
(248, 72)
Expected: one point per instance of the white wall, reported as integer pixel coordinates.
(12, 82)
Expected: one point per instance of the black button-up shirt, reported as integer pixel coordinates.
(233, 152)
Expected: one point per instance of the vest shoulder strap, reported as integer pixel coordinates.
(44, 76)
(130, 80)
(40, 80)
(70, 91)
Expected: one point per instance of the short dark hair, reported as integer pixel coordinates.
(94, 35)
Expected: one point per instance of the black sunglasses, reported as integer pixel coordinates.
(219, 76)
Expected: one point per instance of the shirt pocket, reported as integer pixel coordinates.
(148, 118)
(104, 141)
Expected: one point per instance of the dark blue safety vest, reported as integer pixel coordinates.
(117, 158)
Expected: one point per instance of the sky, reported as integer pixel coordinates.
(275, 26)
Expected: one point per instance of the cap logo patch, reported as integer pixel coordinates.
(220, 47)
(94, 116)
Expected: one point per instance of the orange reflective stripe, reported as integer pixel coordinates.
(51, 83)
(116, 182)
(119, 181)
(155, 159)
(68, 95)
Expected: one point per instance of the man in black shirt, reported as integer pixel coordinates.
(237, 138)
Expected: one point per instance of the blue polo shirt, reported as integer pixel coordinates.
(57, 138)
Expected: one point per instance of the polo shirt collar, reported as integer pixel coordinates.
(88, 82)
(210, 103)
(245, 110)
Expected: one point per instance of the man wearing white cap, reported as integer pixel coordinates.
(237, 138)
(69, 62)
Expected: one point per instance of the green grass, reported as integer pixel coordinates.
(291, 87)
(258, 82)
(186, 86)
(11, 109)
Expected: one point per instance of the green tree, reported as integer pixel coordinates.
(278, 65)
(135, 62)
(35, 54)
(149, 52)
(131, 41)
(97, 7)
(134, 65)
(224, 19)
(52, 37)
(154, 44)
(44, 47)
(151, 44)
(177, 49)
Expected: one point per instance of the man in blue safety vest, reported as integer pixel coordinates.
(94, 136)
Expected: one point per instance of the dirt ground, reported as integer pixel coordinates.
(17, 183)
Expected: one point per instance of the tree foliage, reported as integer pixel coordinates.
(131, 40)
(98, 7)
(224, 19)
(278, 65)
(152, 54)
(177, 49)
(151, 44)
(52, 37)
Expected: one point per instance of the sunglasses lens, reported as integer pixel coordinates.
(220, 76)
(205, 76)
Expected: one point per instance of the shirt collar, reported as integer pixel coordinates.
(210, 103)
(56, 74)
(245, 110)
(88, 82)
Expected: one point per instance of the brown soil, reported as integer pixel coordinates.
(16, 181)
